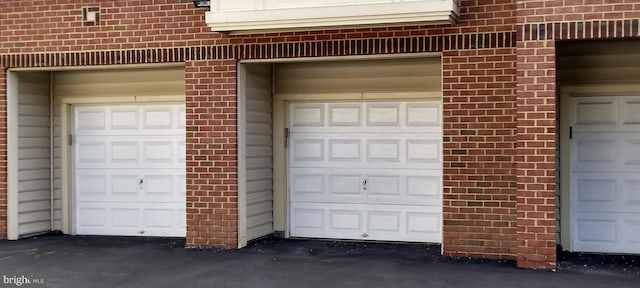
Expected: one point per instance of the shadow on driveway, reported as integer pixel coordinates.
(70, 261)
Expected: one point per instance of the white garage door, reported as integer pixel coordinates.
(605, 174)
(129, 170)
(366, 170)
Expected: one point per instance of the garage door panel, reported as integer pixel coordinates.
(89, 152)
(159, 152)
(181, 121)
(606, 114)
(614, 152)
(90, 119)
(424, 186)
(631, 111)
(130, 219)
(631, 230)
(367, 222)
(124, 151)
(597, 193)
(382, 222)
(423, 114)
(129, 170)
(606, 192)
(594, 111)
(346, 221)
(124, 118)
(631, 154)
(607, 232)
(377, 150)
(377, 117)
(390, 186)
(396, 130)
(383, 150)
(158, 117)
(307, 182)
(366, 170)
(305, 115)
(345, 150)
(308, 150)
(129, 119)
(605, 174)
(423, 151)
(344, 185)
(125, 185)
(91, 217)
(307, 220)
(597, 228)
(129, 185)
(160, 186)
(383, 114)
(91, 186)
(381, 186)
(345, 115)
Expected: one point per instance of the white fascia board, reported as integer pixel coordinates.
(252, 21)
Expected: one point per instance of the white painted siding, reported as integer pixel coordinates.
(34, 160)
(130, 85)
(358, 76)
(259, 152)
(598, 62)
(112, 83)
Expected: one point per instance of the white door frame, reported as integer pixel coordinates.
(566, 93)
(12, 156)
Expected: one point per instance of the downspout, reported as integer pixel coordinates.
(51, 151)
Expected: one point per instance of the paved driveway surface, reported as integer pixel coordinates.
(66, 261)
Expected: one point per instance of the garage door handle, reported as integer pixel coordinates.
(364, 184)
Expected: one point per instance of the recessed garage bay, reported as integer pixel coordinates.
(341, 149)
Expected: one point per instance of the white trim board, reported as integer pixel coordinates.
(12, 156)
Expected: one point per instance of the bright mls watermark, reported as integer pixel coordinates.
(21, 280)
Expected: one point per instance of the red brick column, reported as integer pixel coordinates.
(479, 153)
(536, 90)
(212, 165)
(3, 153)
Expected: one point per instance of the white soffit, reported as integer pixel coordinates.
(251, 16)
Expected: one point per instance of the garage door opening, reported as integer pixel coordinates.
(599, 142)
(348, 149)
(75, 140)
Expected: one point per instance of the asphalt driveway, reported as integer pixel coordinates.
(66, 261)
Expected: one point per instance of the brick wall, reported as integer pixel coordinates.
(212, 163)
(479, 96)
(499, 158)
(39, 34)
(540, 11)
(479, 150)
(536, 154)
(540, 24)
(40, 26)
